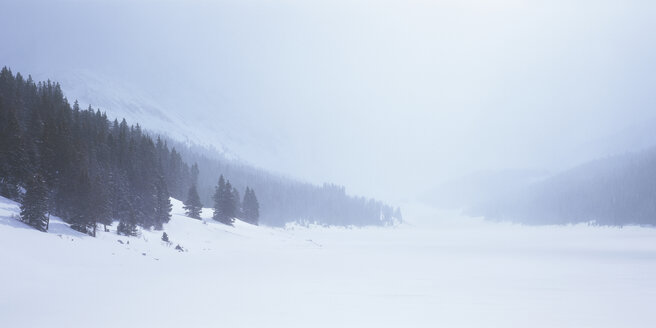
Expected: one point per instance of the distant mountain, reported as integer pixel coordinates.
(606, 180)
(616, 190)
(634, 138)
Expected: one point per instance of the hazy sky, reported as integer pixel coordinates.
(385, 97)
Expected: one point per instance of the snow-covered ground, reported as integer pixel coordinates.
(437, 270)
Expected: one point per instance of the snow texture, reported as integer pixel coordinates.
(436, 270)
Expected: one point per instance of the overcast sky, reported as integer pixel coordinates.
(385, 97)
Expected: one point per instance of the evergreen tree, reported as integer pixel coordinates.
(163, 205)
(35, 204)
(13, 158)
(251, 207)
(229, 205)
(219, 191)
(192, 206)
(118, 190)
(194, 174)
(82, 217)
(224, 203)
(237, 203)
(127, 226)
(101, 203)
(165, 237)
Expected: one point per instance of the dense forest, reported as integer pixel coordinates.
(79, 165)
(76, 164)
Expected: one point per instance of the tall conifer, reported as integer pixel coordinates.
(35, 204)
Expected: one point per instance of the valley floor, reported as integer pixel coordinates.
(437, 270)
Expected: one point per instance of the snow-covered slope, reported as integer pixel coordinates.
(437, 270)
(122, 98)
(194, 236)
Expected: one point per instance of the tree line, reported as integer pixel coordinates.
(97, 171)
(284, 200)
(227, 203)
(78, 165)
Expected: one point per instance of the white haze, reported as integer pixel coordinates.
(385, 97)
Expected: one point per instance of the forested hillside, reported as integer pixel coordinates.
(87, 169)
(283, 199)
(617, 190)
(78, 165)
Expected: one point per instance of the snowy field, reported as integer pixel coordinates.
(436, 270)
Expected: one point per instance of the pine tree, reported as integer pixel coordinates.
(127, 226)
(218, 199)
(194, 174)
(163, 205)
(35, 204)
(193, 206)
(251, 207)
(119, 200)
(13, 158)
(82, 216)
(224, 202)
(229, 205)
(101, 203)
(238, 213)
(165, 237)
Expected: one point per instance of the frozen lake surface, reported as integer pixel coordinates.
(436, 270)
